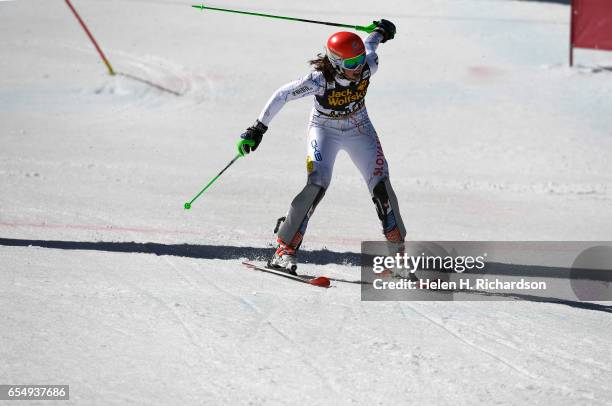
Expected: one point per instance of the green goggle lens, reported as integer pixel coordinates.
(354, 63)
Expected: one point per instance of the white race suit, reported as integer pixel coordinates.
(339, 120)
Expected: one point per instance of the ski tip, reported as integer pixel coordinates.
(320, 281)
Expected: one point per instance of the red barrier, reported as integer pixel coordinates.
(591, 25)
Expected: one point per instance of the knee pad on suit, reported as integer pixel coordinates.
(388, 212)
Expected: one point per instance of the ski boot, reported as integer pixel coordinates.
(284, 258)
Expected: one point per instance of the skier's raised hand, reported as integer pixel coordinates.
(386, 28)
(250, 139)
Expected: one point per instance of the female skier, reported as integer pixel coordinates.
(339, 120)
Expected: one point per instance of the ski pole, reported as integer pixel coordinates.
(367, 29)
(188, 204)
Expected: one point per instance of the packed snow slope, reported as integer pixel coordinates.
(489, 135)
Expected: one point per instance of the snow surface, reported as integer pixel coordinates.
(489, 135)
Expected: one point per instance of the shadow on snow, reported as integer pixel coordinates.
(318, 257)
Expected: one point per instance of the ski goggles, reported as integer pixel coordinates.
(353, 63)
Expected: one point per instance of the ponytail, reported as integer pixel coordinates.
(322, 64)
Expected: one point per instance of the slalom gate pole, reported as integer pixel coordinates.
(187, 205)
(93, 40)
(367, 29)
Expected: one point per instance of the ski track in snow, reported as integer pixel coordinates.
(264, 319)
(567, 369)
(162, 304)
(152, 80)
(471, 344)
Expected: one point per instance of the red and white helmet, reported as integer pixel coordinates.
(346, 51)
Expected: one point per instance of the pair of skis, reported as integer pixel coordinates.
(321, 281)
